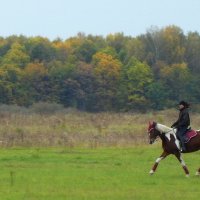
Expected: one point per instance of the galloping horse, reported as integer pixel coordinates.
(171, 144)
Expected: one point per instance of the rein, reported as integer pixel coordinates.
(166, 132)
(169, 131)
(160, 133)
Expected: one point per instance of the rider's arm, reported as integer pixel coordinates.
(185, 120)
(175, 124)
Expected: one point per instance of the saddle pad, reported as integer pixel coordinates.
(189, 135)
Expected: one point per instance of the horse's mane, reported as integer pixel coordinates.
(163, 128)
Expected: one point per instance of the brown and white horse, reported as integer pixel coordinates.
(171, 144)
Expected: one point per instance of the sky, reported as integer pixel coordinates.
(66, 18)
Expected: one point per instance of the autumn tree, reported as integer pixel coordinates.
(173, 45)
(94, 73)
(107, 71)
(35, 84)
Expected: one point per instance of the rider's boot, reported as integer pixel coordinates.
(183, 148)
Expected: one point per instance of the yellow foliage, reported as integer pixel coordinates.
(16, 55)
(35, 69)
(2, 72)
(106, 65)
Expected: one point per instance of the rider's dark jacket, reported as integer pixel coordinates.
(183, 120)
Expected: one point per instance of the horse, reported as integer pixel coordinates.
(171, 144)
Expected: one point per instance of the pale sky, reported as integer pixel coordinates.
(65, 18)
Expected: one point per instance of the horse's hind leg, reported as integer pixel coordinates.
(198, 172)
(179, 157)
(162, 156)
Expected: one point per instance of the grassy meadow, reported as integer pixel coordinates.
(80, 129)
(83, 156)
(94, 174)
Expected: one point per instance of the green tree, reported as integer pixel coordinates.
(193, 52)
(137, 77)
(84, 75)
(85, 51)
(118, 41)
(134, 48)
(10, 77)
(40, 49)
(151, 43)
(176, 78)
(158, 95)
(16, 55)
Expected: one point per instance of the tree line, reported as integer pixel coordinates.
(94, 73)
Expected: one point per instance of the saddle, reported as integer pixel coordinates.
(189, 135)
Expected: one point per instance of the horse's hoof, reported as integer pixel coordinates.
(151, 172)
(197, 174)
(187, 175)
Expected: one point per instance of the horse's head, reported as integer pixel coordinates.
(153, 132)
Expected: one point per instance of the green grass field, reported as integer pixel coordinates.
(95, 174)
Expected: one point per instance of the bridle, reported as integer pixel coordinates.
(151, 141)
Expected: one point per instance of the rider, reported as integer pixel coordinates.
(183, 122)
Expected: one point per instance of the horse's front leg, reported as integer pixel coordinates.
(179, 157)
(162, 156)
